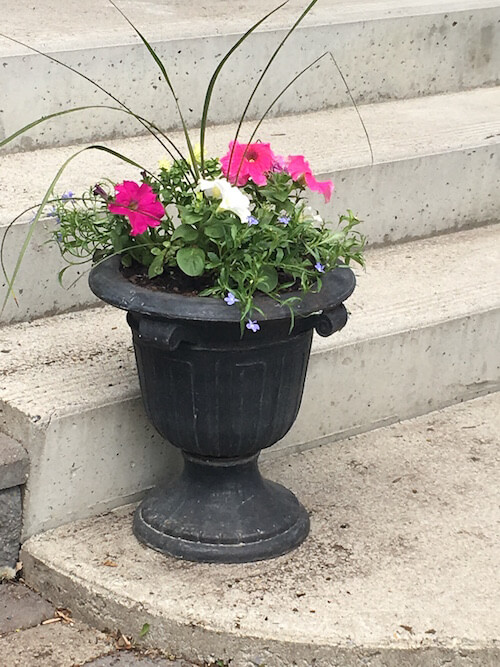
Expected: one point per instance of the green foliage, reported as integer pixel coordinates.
(278, 253)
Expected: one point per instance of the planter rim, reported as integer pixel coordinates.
(109, 284)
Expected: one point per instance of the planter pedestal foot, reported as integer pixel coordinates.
(221, 511)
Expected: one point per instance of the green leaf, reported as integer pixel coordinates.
(268, 279)
(214, 231)
(156, 266)
(144, 630)
(191, 261)
(126, 260)
(188, 216)
(186, 232)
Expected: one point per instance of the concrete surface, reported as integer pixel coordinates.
(54, 645)
(10, 525)
(385, 49)
(423, 333)
(21, 608)
(436, 166)
(14, 462)
(128, 659)
(400, 569)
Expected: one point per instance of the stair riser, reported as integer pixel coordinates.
(87, 463)
(396, 201)
(388, 58)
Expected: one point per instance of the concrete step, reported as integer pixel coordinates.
(423, 334)
(400, 568)
(386, 49)
(436, 165)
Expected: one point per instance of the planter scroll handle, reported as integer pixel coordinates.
(331, 320)
(165, 334)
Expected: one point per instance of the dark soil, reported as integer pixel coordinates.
(173, 280)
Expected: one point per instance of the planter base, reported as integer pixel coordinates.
(221, 511)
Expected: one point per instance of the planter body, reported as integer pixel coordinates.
(221, 397)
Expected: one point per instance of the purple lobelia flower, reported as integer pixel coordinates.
(230, 299)
(284, 219)
(67, 195)
(252, 325)
(100, 192)
(53, 214)
(252, 220)
(319, 267)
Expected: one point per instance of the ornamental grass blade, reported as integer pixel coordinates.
(282, 92)
(264, 72)
(353, 103)
(43, 204)
(208, 94)
(42, 119)
(144, 122)
(169, 83)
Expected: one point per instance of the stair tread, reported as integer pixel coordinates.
(332, 140)
(77, 361)
(401, 563)
(77, 28)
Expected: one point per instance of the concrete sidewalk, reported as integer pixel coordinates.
(33, 633)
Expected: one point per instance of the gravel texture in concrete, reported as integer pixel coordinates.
(128, 659)
(400, 569)
(21, 608)
(10, 525)
(14, 462)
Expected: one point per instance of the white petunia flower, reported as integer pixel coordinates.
(213, 188)
(309, 213)
(232, 199)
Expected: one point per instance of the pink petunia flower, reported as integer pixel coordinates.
(139, 203)
(255, 163)
(298, 168)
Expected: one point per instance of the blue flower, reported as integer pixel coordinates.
(252, 325)
(230, 299)
(59, 236)
(100, 192)
(319, 267)
(53, 214)
(67, 195)
(252, 220)
(284, 219)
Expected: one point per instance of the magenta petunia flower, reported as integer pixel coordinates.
(249, 161)
(298, 168)
(139, 203)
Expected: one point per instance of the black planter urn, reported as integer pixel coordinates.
(221, 397)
